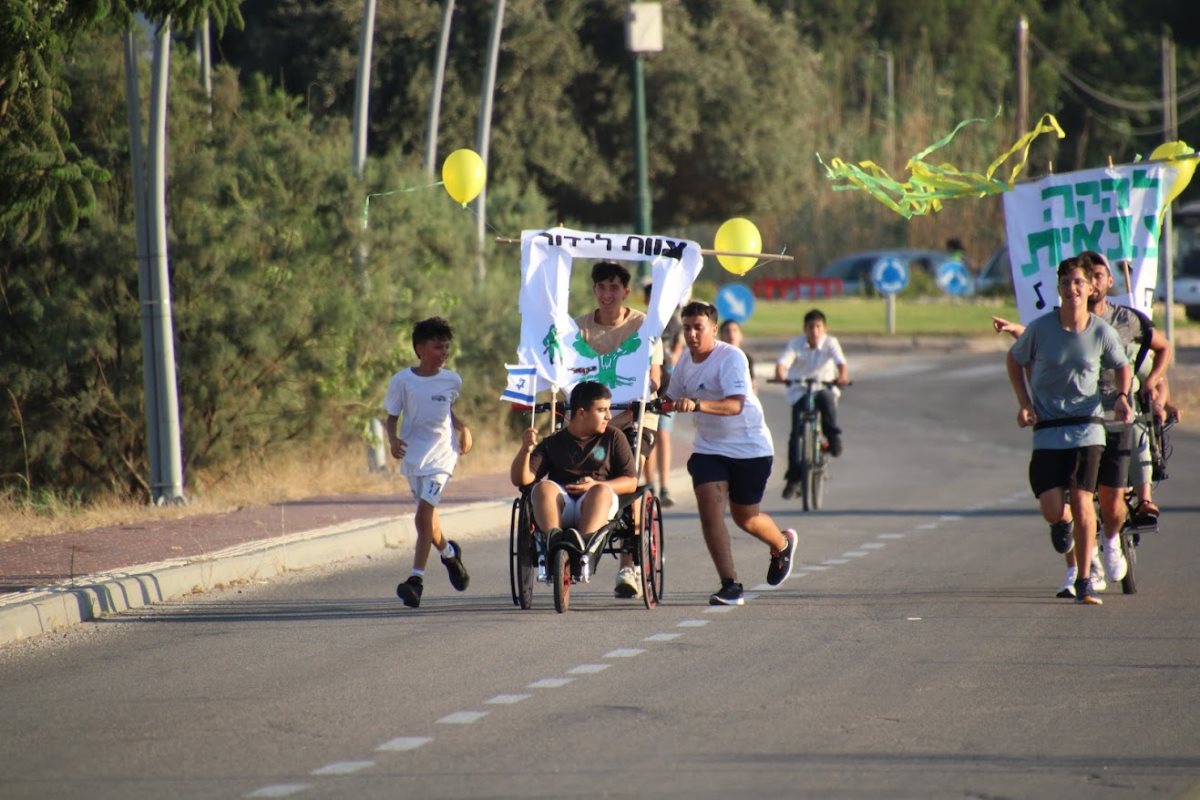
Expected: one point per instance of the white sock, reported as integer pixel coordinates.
(420, 573)
(1072, 573)
(447, 550)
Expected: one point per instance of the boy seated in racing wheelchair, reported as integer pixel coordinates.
(578, 473)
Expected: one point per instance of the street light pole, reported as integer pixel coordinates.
(643, 34)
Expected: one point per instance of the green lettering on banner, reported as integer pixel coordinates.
(1042, 240)
(1067, 192)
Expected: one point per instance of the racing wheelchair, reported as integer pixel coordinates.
(533, 558)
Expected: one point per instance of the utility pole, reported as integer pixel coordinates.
(484, 136)
(1170, 134)
(435, 95)
(1022, 75)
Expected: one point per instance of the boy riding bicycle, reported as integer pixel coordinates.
(813, 355)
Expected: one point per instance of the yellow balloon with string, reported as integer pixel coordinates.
(738, 235)
(463, 175)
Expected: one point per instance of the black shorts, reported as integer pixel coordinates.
(1075, 468)
(1114, 463)
(747, 477)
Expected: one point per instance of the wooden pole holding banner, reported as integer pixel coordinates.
(770, 256)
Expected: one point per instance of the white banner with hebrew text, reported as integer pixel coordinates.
(1112, 210)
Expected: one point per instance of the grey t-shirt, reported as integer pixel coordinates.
(1129, 327)
(1065, 376)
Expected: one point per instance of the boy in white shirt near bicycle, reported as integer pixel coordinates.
(818, 355)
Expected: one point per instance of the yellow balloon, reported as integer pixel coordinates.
(740, 236)
(463, 175)
(1178, 154)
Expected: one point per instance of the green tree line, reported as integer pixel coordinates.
(280, 340)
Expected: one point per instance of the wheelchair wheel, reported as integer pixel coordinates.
(523, 553)
(560, 574)
(650, 551)
(1129, 550)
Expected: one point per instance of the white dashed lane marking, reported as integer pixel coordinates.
(719, 609)
(855, 554)
(507, 699)
(872, 545)
(835, 562)
(462, 717)
(588, 669)
(624, 652)
(926, 526)
(662, 637)
(692, 623)
(550, 683)
(890, 536)
(404, 743)
(342, 768)
(280, 790)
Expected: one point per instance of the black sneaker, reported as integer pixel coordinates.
(835, 445)
(789, 490)
(664, 498)
(410, 591)
(781, 563)
(1084, 595)
(730, 594)
(1062, 536)
(459, 578)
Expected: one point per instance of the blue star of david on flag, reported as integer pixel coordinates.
(522, 384)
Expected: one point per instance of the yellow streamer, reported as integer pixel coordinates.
(929, 184)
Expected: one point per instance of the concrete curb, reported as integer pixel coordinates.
(54, 608)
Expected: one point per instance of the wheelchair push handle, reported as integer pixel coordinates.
(654, 406)
(809, 382)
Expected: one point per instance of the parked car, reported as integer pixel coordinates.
(1186, 284)
(996, 276)
(855, 270)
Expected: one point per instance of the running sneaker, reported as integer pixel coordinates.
(664, 498)
(459, 578)
(789, 489)
(1062, 536)
(1115, 565)
(730, 594)
(409, 592)
(781, 563)
(1067, 588)
(629, 583)
(1085, 594)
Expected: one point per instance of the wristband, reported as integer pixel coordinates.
(695, 405)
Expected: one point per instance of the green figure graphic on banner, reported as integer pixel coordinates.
(552, 348)
(607, 363)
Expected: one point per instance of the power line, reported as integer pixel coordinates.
(1098, 94)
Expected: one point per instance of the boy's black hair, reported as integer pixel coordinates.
(725, 325)
(607, 270)
(1069, 265)
(816, 315)
(586, 393)
(428, 330)
(698, 308)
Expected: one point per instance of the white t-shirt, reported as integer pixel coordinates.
(724, 373)
(802, 361)
(424, 404)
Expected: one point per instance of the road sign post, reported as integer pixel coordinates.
(890, 276)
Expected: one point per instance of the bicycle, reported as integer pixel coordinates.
(1130, 535)
(808, 459)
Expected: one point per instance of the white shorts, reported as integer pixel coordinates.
(571, 506)
(428, 487)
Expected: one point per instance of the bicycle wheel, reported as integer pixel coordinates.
(514, 554)
(806, 467)
(819, 460)
(560, 573)
(1129, 550)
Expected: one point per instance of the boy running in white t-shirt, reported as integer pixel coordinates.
(424, 396)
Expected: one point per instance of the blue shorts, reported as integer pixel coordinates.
(747, 477)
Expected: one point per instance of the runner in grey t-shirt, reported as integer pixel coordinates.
(1063, 352)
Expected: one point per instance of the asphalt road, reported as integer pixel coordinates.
(918, 651)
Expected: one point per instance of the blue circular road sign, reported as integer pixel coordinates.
(734, 301)
(955, 279)
(890, 275)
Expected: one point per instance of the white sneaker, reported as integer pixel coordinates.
(629, 582)
(1098, 575)
(1114, 560)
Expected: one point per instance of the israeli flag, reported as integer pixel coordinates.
(522, 384)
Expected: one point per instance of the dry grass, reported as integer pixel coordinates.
(332, 470)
